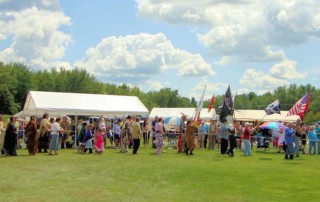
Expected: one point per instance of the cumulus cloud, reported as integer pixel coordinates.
(139, 56)
(33, 27)
(211, 88)
(251, 30)
(279, 75)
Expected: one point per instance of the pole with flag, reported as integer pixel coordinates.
(211, 104)
(227, 105)
(196, 117)
(301, 107)
(273, 108)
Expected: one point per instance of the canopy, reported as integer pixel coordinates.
(260, 115)
(58, 104)
(169, 112)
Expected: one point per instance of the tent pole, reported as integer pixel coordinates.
(76, 130)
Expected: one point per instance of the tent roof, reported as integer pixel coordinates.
(55, 103)
(260, 115)
(169, 112)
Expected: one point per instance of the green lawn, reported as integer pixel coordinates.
(113, 176)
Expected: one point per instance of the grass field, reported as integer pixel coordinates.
(113, 176)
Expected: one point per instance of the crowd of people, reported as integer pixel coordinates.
(50, 135)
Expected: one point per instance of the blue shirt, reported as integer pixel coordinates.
(224, 131)
(288, 135)
(312, 136)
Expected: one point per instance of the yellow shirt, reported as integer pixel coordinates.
(136, 130)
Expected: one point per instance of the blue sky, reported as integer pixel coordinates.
(181, 44)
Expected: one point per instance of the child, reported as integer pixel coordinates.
(87, 141)
(99, 143)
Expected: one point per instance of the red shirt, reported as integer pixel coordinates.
(246, 133)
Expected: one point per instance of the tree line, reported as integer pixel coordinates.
(17, 79)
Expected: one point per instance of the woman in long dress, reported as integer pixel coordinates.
(31, 133)
(99, 143)
(54, 140)
(190, 136)
(159, 136)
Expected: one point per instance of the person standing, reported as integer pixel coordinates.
(87, 140)
(190, 137)
(159, 136)
(11, 138)
(136, 133)
(224, 136)
(65, 125)
(212, 133)
(99, 145)
(125, 135)
(116, 133)
(2, 134)
(56, 129)
(154, 122)
(297, 137)
(43, 140)
(201, 135)
(246, 139)
(31, 134)
(146, 132)
(313, 140)
(288, 136)
(182, 136)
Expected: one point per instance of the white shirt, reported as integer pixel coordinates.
(55, 127)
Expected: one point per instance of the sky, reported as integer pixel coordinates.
(251, 45)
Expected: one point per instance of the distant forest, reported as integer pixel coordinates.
(16, 80)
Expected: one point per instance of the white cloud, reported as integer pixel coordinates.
(211, 89)
(224, 61)
(154, 85)
(251, 30)
(33, 27)
(142, 55)
(279, 75)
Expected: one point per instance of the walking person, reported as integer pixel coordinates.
(117, 133)
(201, 135)
(224, 136)
(44, 133)
(54, 136)
(2, 134)
(31, 134)
(136, 133)
(288, 136)
(153, 124)
(65, 125)
(182, 136)
(87, 140)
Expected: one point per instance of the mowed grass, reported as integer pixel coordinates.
(113, 176)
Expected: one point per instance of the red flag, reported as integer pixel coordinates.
(301, 107)
(211, 104)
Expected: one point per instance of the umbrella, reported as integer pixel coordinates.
(173, 121)
(272, 125)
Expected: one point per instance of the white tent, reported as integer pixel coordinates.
(57, 104)
(260, 115)
(169, 112)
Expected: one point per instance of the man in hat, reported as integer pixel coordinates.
(213, 132)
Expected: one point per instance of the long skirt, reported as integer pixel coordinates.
(32, 146)
(159, 140)
(54, 142)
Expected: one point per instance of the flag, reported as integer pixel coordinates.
(199, 107)
(211, 104)
(227, 105)
(301, 107)
(273, 108)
